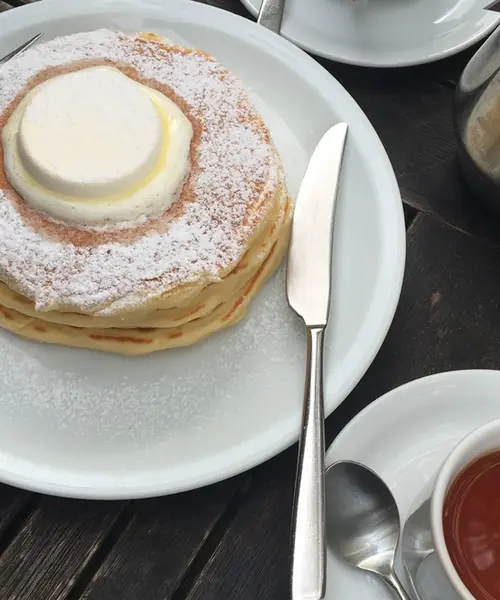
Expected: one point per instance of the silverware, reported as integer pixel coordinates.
(362, 522)
(20, 48)
(271, 14)
(416, 542)
(308, 289)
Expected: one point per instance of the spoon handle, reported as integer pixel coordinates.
(308, 533)
(271, 14)
(397, 587)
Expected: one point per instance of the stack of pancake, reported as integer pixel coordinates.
(170, 276)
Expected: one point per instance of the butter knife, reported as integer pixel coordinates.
(308, 290)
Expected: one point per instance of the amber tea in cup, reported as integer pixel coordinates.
(471, 525)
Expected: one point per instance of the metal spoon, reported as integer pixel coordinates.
(417, 543)
(20, 48)
(362, 521)
(271, 14)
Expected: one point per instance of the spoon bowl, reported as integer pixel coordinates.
(362, 521)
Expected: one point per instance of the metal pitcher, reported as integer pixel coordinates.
(477, 122)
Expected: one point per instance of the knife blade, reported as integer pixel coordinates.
(310, 256)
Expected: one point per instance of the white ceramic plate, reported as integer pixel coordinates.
(384, 33)
(404, 436)
(87, 424)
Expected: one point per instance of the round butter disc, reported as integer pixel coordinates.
(89, 133)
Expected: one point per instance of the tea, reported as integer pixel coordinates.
(471, 526)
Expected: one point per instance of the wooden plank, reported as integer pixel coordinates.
(448, 318)
(413, 118)
(160, 543)
(450, 69)
(54, 546)
(66, 550)
(410, 214)
(251, 560)
(15, 507)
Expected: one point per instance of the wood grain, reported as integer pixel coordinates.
(57, 541)
(448, 316)
(67, 550)
(15, 507)
(252, 559)
(449, 70)
(157, 549)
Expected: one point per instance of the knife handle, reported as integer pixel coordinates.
(271, 14)
(308, 525)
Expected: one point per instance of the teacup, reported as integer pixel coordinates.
(475, 446)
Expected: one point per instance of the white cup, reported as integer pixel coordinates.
(481, 441)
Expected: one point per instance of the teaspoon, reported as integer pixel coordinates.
(362, 521)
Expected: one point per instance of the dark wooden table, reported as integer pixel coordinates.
(231, 540)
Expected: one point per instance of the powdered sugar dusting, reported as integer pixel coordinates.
(210, 235)
(139, 411)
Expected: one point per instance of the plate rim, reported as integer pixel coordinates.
(435, 380)
(387, 64)
(393, 255)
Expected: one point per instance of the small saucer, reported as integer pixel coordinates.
(404, 436)
(384, 33)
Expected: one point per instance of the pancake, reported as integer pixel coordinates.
(209, 299)
(163, 281)
(141, 341)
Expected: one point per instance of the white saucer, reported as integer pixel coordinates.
(404, 436)
(88, 424)
(384, 33)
